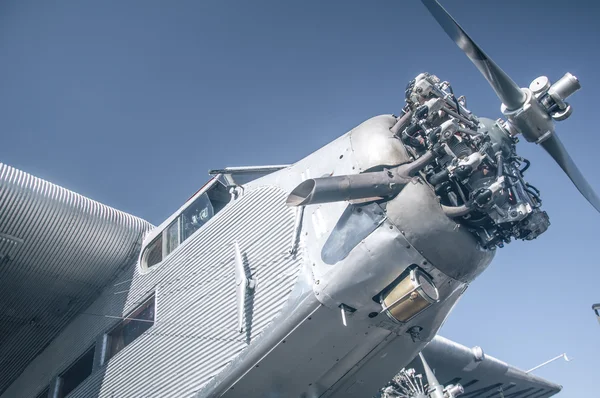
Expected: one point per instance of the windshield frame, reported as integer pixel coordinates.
(161, 230)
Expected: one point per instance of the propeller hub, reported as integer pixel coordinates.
(531, 119)
(529, 111)
(540, 86)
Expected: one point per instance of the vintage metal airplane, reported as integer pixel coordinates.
(323, 278)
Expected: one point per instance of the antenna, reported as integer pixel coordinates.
(564, 355)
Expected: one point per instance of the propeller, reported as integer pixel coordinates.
(435, 389)
(507, 90)
(526, 114)
(555, 148)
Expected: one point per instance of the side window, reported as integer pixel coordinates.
(192, 218)
(132, 327)
(77, 373)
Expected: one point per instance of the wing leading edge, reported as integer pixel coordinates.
(481, 375)
(58, 249)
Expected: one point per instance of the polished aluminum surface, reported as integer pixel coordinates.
(58, 249)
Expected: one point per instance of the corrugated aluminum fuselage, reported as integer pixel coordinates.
(293, 341)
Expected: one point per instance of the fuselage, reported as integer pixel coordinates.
(347, 255)
(323, 317)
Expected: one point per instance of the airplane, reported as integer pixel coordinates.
(322, 278)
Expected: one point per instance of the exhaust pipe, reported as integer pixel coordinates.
(456, 211)
(374, 185)
(348, 187)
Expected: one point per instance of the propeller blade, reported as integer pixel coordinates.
(507, 90)
(435, 388)
(555, 148)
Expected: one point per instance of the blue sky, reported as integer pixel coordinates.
(131, 102)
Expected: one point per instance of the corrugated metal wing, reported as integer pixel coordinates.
(58, 249)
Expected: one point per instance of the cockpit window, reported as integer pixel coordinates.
(196, 215)
(191, 219)
(172, 234)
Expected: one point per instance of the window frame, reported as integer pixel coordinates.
(147, 252)
(161, 230)
(107, 347)
(61, 375)
(165, 237)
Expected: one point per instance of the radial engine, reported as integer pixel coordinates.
(476, 171)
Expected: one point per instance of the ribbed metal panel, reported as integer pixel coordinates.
(195, 336)
(58, 249)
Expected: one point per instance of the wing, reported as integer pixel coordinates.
(481, 375)
(57, 250)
